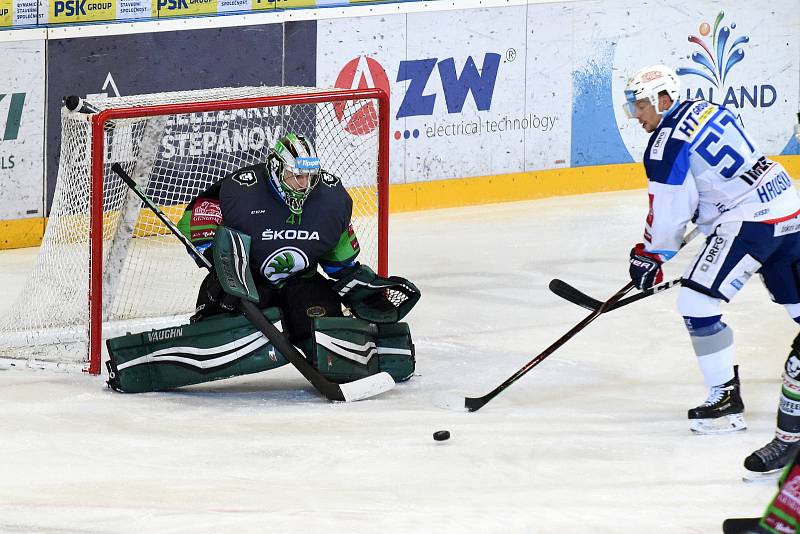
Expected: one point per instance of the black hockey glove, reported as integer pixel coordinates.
(645, 267)
(218, 296)
(373, 298)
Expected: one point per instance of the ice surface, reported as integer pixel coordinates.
(594, 439)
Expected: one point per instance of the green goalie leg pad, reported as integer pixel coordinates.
(396, 351)
(344, 349)
(213, 349)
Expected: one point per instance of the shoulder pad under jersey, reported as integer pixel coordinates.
(245, 177)
(666, 159)
(329, 179)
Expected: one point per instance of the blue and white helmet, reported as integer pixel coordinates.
(293, 153)
(648, 83)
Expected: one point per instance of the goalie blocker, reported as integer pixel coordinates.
(342, 349)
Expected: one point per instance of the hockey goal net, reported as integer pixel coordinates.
(106, 265)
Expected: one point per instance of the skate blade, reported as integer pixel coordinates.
(718, 425)
(767, 477)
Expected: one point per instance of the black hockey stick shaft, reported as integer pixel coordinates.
(576, 296)
(329, 389)
(476, 403)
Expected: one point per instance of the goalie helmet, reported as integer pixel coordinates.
(291, 158)
(648, 83)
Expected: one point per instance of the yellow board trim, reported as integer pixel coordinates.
(515, 186)
(530, 185)
(441, 194)
(21, 233)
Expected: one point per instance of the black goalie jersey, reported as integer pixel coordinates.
(247, 201)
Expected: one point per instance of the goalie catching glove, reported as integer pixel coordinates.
(373, 298)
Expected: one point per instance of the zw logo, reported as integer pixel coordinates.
(712, 255)
(71, 8)
(480, 82)
(14, 116)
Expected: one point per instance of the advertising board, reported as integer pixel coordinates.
(133, 64)
(466, 100)
(22, 129)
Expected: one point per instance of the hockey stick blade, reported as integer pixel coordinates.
(365, 388)
(570, 293)
(576, 296)
(473, 404)
(352, 391)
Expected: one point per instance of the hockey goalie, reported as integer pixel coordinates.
(275, 225)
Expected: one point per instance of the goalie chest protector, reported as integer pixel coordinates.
(279, 248)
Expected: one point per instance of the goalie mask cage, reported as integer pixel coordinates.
(107, 265)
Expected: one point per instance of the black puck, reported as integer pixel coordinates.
(441, 435)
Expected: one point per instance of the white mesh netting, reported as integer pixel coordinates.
(148, 278)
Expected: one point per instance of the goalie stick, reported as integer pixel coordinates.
(351, 391)
(473, 404)
(576, 296)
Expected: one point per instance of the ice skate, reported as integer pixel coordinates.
(743, 525)
(723, 410)
(766, 463)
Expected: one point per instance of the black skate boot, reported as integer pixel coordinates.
(767, 462)
(743, 525)
(723, 410)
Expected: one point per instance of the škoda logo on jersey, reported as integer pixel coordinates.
(289, 235)
(283, 263)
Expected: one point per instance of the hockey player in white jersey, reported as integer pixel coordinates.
(702, 167)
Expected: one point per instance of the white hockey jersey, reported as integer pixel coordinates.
(702, 166)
